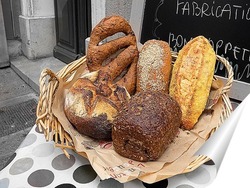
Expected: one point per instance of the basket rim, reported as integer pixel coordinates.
(53, 130)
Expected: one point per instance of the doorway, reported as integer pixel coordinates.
(73, 26)
(11, 12)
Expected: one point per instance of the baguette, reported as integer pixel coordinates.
(192, 78)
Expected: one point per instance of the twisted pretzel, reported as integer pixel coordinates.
(117, 57)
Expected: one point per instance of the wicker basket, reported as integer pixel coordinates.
(53, 130)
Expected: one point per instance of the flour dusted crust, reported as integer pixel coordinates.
(119, 56)
(146, 125)
(154, 66)
(192, 79)
(92, 103)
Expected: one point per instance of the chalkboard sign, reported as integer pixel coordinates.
(226, 23)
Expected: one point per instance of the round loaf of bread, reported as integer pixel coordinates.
(154, 66)
(146, 125)
(92, 103)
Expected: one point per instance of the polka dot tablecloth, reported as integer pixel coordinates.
(37, 163)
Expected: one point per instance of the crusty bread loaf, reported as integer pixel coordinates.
(92, 103)
(146, 125)
(154, 66)
(192, 78)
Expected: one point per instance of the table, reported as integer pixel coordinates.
(37, 163)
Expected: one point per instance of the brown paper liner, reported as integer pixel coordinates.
(108, 164)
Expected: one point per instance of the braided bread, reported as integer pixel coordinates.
(117, 57)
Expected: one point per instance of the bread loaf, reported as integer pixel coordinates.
(92, 103)
(191, 79)
(154, 66)
(146, 125)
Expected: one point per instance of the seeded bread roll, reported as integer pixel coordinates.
(154, 66)
(146, 125)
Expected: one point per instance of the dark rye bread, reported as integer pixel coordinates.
(146, 125)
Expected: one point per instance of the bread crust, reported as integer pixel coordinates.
(117, 57)
(92, 103)
(154, 66)
(191, 79)
(146, 125)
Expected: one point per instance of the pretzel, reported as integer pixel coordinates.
(117, 57)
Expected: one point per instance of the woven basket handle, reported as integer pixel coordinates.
(230, 74)
(47, 76)
(68, 70)
(48, 84)
(49, 81)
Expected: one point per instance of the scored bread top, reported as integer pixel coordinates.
(192, 77)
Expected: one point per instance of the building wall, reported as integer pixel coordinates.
(103, 8)
(37, 28)
(37, 23)
(121, 7)
(4, 56)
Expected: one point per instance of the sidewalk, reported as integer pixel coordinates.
(17, 112)
(19, 92)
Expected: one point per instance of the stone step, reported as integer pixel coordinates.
(30, 70)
